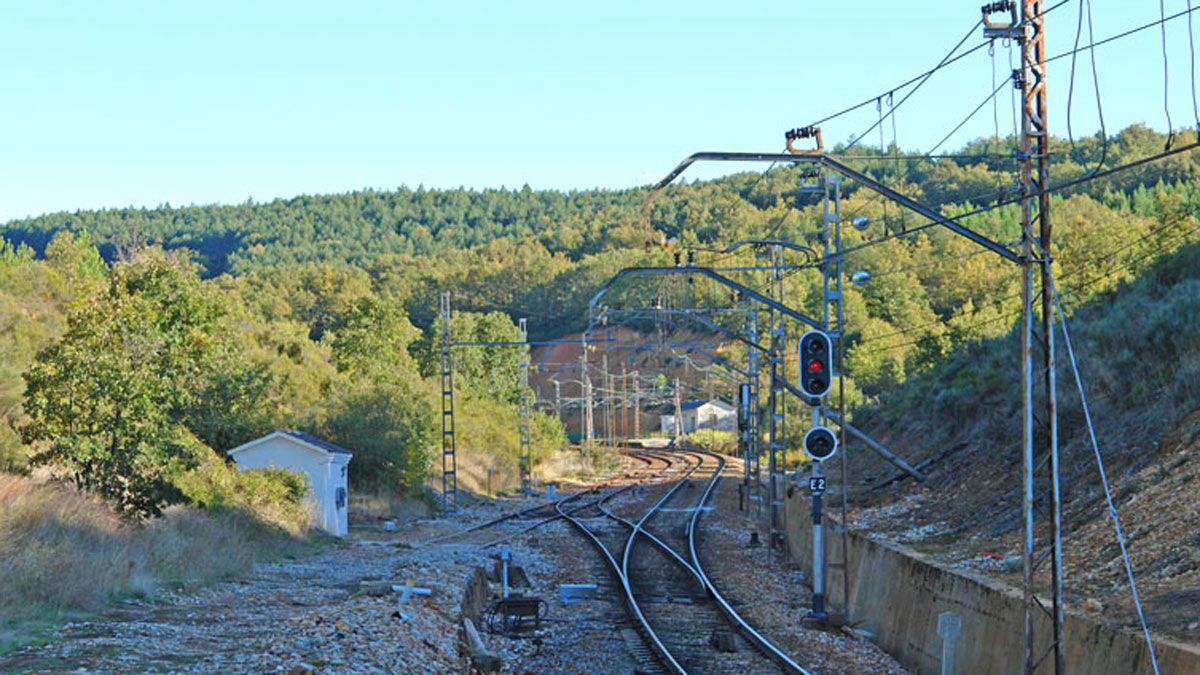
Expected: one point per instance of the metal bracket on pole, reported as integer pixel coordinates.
(874, 445)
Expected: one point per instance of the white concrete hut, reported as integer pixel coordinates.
(323, 462)
(712, 414)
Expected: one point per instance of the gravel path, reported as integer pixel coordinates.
(304, 615)
(334, 612)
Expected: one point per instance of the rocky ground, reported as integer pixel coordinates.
(336, 611)
(747, 575)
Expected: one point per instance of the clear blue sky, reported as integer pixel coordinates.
(109, 104)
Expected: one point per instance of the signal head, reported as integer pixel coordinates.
(816, 363)
(820, 443)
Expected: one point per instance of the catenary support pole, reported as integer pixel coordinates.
(1036, 254)
(449, 460)
(637, 405)
(524, 403)
(678, 410)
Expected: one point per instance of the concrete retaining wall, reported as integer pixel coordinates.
(897, 595)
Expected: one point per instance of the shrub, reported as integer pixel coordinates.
(719, 441)
(273, 496)
(13, 457)
(390, 427)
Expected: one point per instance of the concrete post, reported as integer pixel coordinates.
(950, 629)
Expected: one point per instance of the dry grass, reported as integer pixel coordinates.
(368, 507)
(571, 464)
(65, 552)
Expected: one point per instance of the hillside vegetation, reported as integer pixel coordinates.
(138, 345)
(1138, 346)
(318, 312)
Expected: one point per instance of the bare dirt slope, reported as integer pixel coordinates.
(968, 515)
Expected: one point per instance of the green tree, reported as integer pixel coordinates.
(389, 424)
(107, 400)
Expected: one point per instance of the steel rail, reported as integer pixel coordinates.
(509, 516)
(664, 653)
(761, 643)
(595, 502)
(648, 633)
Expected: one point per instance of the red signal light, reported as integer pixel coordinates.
(815, 367)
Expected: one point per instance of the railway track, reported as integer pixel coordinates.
(672, 604)
(546, 512)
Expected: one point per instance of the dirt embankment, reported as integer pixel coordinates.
(968, 515)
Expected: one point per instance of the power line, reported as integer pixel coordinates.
(1050, 190)
(923, 75)
(941, 64)
(966, 119)
(1192, 64)
(1162, 12)
(1095, 83)
(1095, 174)
(1122, 265)
(953, 156)
(1112, 509)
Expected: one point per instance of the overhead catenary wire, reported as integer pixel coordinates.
(1085, 6)
(1050, 190)
(1122, 265)
(1095, 173)
(1090, 47)
(920, 76)
(975, 111)
(1162, 12)
(946, 60)
(1192, 65)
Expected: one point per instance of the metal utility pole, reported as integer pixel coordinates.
(775, 438)
(524, 453)
(606, 399)
(588, 417)
(449, 460)
(623, 426)
(678, 411)
(637, 405)
(834, 320)
(558, 400)
(750, 472)
(1036, 252)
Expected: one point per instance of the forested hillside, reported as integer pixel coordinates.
(322, 307)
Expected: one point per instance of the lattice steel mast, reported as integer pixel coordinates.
(449, 460)
(1036, 253)
(524, 405)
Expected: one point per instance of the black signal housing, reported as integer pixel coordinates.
(816, 364)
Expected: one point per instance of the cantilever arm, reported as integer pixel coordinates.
(865, 180)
